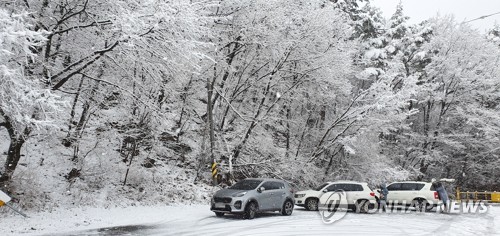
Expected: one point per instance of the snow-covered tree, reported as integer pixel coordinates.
(270, 54)
(131, 57)
(494, 35)
(459, 116)
(26, 104)
(454, 70)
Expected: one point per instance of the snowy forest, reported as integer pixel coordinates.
(129, 102)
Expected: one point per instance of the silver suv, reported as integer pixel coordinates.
(250, 196)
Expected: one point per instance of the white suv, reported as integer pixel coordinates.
(358, 195)
(420, 195)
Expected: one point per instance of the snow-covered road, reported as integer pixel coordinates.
(199, 220)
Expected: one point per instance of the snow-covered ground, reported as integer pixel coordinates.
(199, 220)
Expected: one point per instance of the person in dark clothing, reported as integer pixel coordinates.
(443, 195)
(384, 192)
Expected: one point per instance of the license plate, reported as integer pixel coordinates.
(220, 205)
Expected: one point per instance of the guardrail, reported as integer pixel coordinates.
(493, 197)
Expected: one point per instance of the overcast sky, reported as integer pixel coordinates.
(464, 10)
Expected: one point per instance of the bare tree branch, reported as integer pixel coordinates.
(59, 22)
(100, 23)
(96, 55)
(245, 118)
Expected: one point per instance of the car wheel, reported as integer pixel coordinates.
(219, 214)
(312, 204)
(287, 208)
(363, 206)
(250, 210)
(420, 205)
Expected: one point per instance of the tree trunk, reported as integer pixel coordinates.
(287, 142)
(70, 138)
(14, 152)
(210, 117)
(237, 150)
(301, 140)
(13, 157)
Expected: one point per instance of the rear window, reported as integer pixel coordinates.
(411, 186)
(345, 187)
(394, 187)
(279, 185)
(353, 187)
(420, 186)
(405, 187)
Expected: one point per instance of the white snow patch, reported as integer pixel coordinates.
(375, 53)
(420, 55)
(199, 220)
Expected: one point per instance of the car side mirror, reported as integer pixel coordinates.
(261, 189)
(325, 190)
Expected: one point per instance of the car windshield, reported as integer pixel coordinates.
(246, 184)
(321, 187)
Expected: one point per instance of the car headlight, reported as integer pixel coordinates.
(300, 195)
(240, 194)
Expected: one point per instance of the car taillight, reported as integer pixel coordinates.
(436, 195)
(372, 194)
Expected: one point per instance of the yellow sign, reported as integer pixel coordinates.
(4, 198)
(214, 169)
